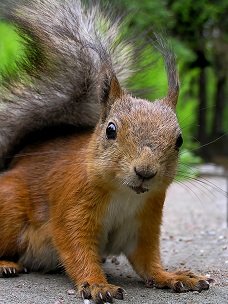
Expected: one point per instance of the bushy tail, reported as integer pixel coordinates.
(72, 48)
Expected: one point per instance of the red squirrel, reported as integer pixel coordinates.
(99, 189)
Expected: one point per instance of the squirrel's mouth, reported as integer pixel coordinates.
(139, 189)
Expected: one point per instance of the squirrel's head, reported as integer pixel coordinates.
(136, 142)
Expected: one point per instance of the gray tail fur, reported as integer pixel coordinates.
(71, 49)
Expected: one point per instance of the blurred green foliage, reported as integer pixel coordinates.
(11, 49)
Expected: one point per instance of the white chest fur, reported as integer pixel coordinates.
(120, 226)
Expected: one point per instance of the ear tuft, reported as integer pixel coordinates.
(172, 96)
(162, 44)
(111, 92)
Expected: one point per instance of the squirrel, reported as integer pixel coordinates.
(99, 189)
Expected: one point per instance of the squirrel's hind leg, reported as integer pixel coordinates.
(11, 269)
(13, 206)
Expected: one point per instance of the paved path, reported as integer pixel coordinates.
(194, 235)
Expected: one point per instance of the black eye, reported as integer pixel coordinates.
(179, 142)
(111, 131)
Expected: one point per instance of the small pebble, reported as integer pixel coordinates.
(221, 237)
(71, 292)
(212, 233)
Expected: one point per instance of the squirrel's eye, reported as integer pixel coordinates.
(111, 131)
(179, 142)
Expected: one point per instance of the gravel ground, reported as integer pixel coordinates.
(194, 235)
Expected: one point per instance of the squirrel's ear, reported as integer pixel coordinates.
(111, 92)
(172, 97)
(169, 58)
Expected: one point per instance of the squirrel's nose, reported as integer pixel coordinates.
(145, 173)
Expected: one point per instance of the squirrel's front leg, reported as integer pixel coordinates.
(77, 244)
(146, 261)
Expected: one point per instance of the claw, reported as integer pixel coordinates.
(149, 283)
(203, 285)
(84, 295)
(100, 295)
(120, 289)
(86, 301)
(179, 287)
(119, 294)
(109, 297)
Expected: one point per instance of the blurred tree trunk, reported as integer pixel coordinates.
(202, 63)
(220, 102)
(202, 132)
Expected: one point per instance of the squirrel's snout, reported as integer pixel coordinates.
(145, 173)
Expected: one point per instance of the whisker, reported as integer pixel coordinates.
(180, 183)
(203, 180)
(203, 190)
(205, 145)
(190, 115)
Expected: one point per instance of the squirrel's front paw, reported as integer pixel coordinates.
(10, 269)
(180, 281)
(100, 293)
